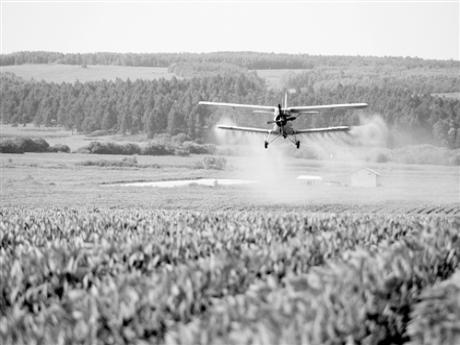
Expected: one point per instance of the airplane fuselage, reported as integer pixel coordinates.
(282, 125)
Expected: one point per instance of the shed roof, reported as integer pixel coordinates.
(369, 170)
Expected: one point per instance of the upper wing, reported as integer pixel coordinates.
(323, 130)
(245, 129)
(328, 106)
(236, 105)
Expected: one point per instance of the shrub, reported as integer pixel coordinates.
(155, 149)
(131, 149)
(24, 144)
(59, 148)
(10, 146)
(217, 163)
(113, 148)
(33, 145)
(199, 148)
(180, 151)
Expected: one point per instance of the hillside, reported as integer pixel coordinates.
(59, 73)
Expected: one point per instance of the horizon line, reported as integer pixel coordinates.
(235, 52)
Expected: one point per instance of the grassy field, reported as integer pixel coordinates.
(58, 179)
(70, 73)
(59, 73)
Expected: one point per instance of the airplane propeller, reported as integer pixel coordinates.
(282, 121)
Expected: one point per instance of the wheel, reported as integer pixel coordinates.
(266, 144)
(297, 144)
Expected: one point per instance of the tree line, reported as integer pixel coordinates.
(141, 106)
(249, 60)
(408, 104)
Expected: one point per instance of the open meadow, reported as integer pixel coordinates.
(72, 179)
(59, 73)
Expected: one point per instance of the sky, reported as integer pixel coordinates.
(378, 28)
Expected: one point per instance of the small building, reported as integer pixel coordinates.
(365, 178)
(310, 179)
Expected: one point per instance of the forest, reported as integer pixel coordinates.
(405, 94)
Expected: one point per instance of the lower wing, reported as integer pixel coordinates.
(245, 129)
(296, 131)
(323, 130)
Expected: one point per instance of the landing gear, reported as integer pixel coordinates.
(268, 140)
(297, 144)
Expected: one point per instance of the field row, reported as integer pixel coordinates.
(382, 209)
(124, 276)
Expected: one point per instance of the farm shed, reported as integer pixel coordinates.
(310, 179)
(365, 178)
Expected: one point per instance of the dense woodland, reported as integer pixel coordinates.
(406, 100)
(155, 106)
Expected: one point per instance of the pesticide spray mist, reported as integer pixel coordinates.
(275, 169)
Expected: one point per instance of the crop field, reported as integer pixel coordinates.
(88, 276)
(59, 73)
(452, 95)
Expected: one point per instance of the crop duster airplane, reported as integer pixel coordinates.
(282, 118)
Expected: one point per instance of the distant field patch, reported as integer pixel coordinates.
(70, 73)
(277, 78)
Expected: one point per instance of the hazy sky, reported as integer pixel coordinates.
(411, 28)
